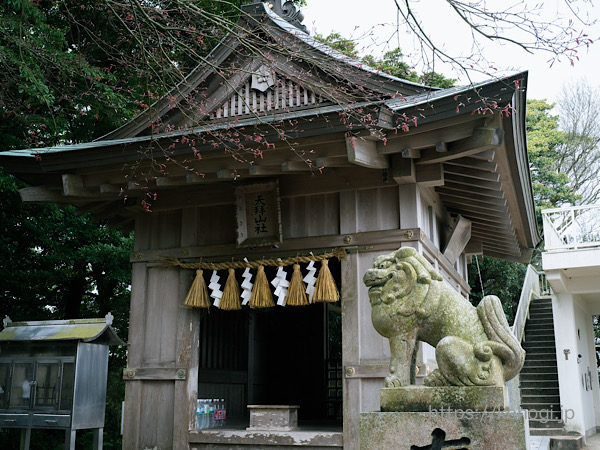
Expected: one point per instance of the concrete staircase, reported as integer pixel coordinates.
(539, 377)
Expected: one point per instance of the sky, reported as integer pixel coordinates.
(373, 23)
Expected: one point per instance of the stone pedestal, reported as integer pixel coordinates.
(273, 417)
(448, 428)
(424, 399)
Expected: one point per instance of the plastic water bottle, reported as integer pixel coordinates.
(223, 413)
(218, 413)
(205, 413)
(211, 413)
(199, 411)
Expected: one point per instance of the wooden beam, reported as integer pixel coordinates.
(227, 174)
(501, 224)
(497, 238)
(296, 166)
(508, 247)
(41, 194)
(170, 181)
(430, 175)
(403, 170)
(461, 235)
(459, 189)
(441, 147)
(260, 171)
(474, 247)
(481, 139)
(488, 240)
(479, 184)
(486, 155)
(480, 228)
(474, 163)
(329, 241)
(471, 173)
(332, 161)
(200, 179)
(507, 242)
(471, 211)
(72, 186)
(110, 189)
(428, 135)
(479, 206)
(478, 199)
(412, 153)
(385, 119)
(364, 153)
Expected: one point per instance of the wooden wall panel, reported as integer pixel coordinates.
(156, 430)
(143, 228)
(377, 209)
(166, 229)
(215, 225)
(313, 215)
(324, 215)
(160, 329)
(373, 348)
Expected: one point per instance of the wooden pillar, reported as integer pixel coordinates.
(162, 363)
(350, 351)
(365, 354)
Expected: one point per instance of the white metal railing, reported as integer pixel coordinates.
(572, 227)
(534, 286)
(531, 289)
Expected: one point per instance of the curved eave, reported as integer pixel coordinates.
(105, 152)
(492, 188)
(526, 204)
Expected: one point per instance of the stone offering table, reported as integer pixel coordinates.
(273, 417)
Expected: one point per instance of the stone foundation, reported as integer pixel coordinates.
(453, 428)
(424, 399)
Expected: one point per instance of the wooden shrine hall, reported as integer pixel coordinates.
(297, 156)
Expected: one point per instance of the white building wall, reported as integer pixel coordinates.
(577, 375)
(588, 378)
(565, 333)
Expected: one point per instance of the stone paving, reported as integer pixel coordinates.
(542, 442)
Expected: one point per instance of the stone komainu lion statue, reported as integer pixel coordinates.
(410, 302)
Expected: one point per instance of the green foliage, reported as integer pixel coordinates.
(392, 62)
(56, 265)
(54, 87)
(341, 44)
(545, 142)
(501, 278)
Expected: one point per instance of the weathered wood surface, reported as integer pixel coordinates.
(460, 237)
(165, 336)
(363, 152)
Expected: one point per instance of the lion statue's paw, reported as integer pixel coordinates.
(435, 378)
(393, 381)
